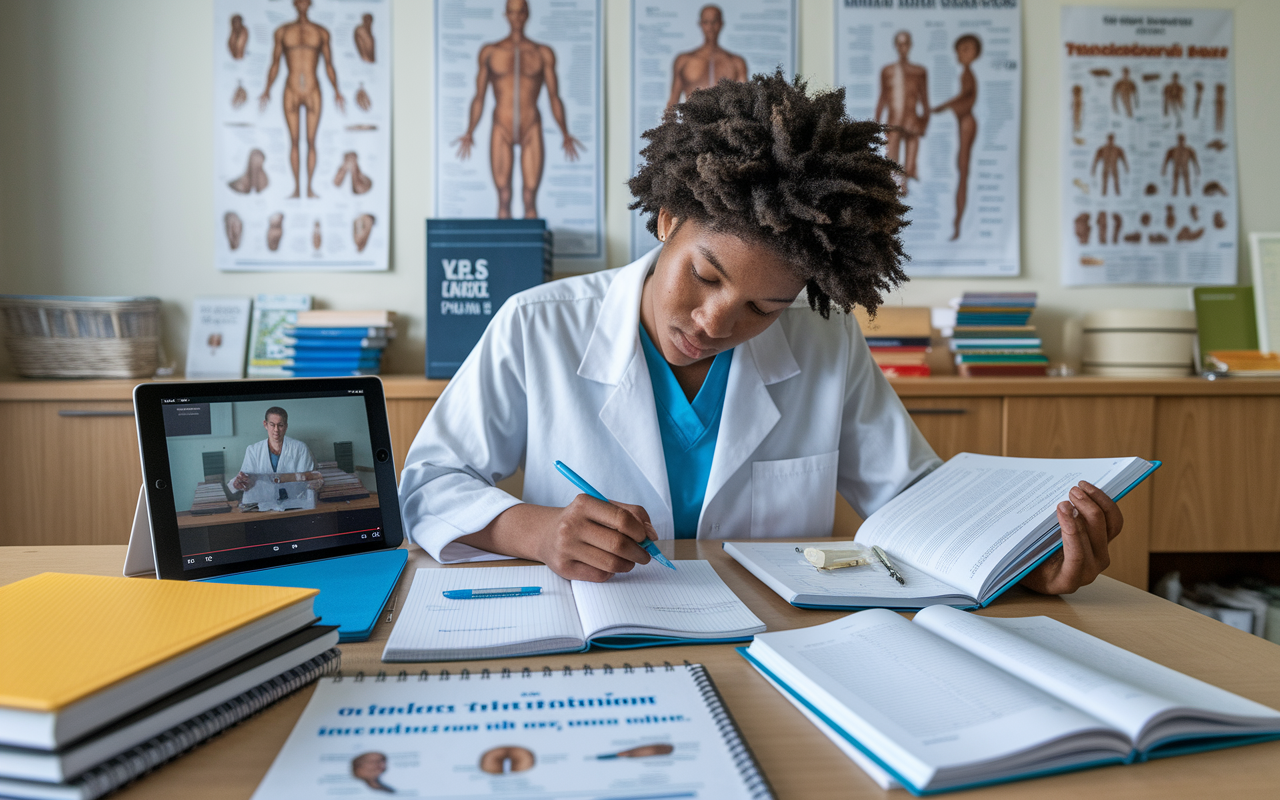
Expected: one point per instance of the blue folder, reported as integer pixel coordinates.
(353, 589)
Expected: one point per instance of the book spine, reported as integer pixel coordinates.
(741, 754)
(179, 739)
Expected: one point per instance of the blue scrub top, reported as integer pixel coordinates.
(689, 432)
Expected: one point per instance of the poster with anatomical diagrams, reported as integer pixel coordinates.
(1148, 147)
(678, 46)
(302, 135)
(519, 118)
(946, 78)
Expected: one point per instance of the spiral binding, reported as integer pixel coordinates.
(134, 763)
(741, 754)
(381, 676)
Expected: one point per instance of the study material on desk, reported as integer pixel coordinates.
(960, 536)
(173, 724)
(219, 337)
(952, 700)
(648, 606)
(603, 734)
(84, 650)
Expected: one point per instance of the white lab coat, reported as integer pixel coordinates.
(294, 457)
(559, 374)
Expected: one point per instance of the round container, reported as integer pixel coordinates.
(1139, 343)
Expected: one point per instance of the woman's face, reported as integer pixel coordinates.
(711, 291)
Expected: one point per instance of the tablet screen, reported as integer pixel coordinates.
(257, 480)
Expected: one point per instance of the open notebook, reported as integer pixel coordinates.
(651, 605)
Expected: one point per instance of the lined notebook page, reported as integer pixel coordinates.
(651, 599)
(434, 628)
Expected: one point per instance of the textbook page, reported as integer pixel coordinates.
(434, 628)
(1122, 688)
(963, 522)
(926, 706)
(652, 600)
(534, 735)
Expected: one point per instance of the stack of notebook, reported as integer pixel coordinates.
(339, 485)
(899, 339)
(332, 343)
(992, 337)
(103, 679)
(210, 497)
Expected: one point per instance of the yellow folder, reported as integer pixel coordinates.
(64, 637)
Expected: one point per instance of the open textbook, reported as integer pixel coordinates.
(953, 700)
(960, 536)
(650, 605)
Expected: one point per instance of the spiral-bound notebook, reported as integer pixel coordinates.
(600, 733)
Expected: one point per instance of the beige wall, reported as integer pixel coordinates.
(106, 145)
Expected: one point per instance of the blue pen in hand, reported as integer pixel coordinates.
(650, 546)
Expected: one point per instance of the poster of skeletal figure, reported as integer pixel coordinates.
(518, 122)
(302, 134)
(678, 46)
(947, 80)
(1148, 147)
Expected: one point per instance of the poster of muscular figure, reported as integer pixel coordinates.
(519, 104)
(678, 47)
(1148, 159)
(302, 134)
(947, 81)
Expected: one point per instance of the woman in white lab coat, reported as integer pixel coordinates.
(690, 387)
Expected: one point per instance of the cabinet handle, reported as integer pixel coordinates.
(73, 413)
(937, 411)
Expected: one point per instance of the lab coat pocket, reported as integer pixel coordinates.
(794, 497)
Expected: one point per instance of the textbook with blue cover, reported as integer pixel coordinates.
(952, 700)
(960, 536)
(473, 266)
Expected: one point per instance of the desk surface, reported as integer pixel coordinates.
(235, 516)
(798, 760)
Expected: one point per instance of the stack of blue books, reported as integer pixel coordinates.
(473, 266)
(335, 343)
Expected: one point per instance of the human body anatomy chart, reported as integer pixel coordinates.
(302, 134)
(678, 47)
(518, 118)
(1148, 147)
(947, 80)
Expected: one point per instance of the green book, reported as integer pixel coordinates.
(1224, 320)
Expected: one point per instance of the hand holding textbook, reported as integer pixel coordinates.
(960, 536)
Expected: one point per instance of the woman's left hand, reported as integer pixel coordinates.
(1089, 520)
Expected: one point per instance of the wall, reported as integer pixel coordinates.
(317, 422)
(106, 131)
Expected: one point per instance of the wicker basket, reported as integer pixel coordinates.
(82, 337)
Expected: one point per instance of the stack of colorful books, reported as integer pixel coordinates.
(333, 343)
(899, 338)
(992, 337)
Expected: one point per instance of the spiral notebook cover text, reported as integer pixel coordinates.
(656, 732)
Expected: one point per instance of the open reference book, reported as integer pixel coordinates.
(952, 700)
(960, 536)
(650, 605)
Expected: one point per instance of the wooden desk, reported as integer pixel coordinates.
(799, 761)
(235, 516)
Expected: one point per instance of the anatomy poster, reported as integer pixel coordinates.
(947, 80)
(302, 134)
(678, 46)
(519, 104)
(1148, 147)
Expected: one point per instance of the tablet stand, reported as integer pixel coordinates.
(140, 558)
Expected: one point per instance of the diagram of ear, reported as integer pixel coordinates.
(362, 99)
(360, 230)
(505, 760)
(240, 97)
(275, 231)
(360, 183)
(235, 228)
(316, 239)
(254, 178)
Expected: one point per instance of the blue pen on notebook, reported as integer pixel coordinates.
(506, 591)
(650, 546)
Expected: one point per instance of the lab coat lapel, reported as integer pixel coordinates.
(749, 412)
(613, 356)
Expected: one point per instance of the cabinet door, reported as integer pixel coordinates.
(950, 425)
(405, 417)
(1219, 488)
(71, 472)
(1094, 427)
